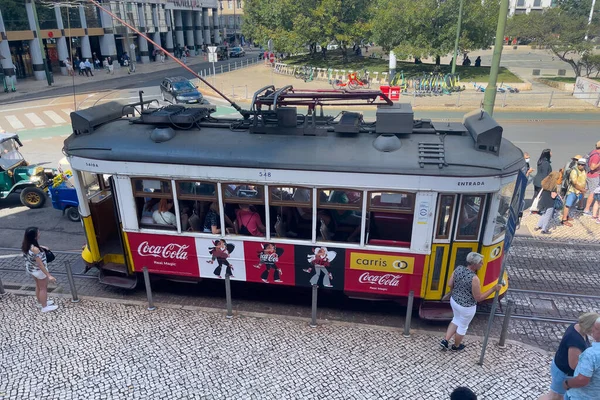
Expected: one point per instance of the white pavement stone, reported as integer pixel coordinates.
(106, 350)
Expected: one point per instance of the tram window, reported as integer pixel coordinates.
(444, 216)
(154, 202)
(471, 210)
(195, 199)
(90, 183)
(291, 211)
(244, 205)
(505, 196)
(339, 215)
(390, 218)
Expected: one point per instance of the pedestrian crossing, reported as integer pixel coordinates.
(32, 120)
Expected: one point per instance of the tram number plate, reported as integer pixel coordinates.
(264, 174)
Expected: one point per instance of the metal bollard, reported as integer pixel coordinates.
(409, 309)
(74, 297)
(504, 99)
(228, 296)
(148, 289)
(2, 291)
(313, 319)
(505, 323)
(550, 101)
(229, 67)
(246, 96)
(221, 68)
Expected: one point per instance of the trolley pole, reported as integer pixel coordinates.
(409, 308)
(490, 91)
(148, 289)
(458, 28)
(74, 297)
(228, 296)
(313, 320)
(492, 314)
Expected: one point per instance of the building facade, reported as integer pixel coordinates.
(83, 31)
(527, 6)
(231, 19)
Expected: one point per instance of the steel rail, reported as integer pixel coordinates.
(561, 294)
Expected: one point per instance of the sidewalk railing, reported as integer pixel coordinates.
(207, 73)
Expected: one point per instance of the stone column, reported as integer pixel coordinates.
(107, 41)
(86, 48)
(61, 42)
(179, 28)
(34, 45)
(156, 21)
(189, 30)
(7, 64)
(198, 30)
(217, 34)
(206, 25)
(170, 47)
(142, 42)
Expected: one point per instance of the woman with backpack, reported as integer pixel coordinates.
(249, 221)
(544, 168)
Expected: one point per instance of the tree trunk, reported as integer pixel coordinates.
(344, 54)
(324, 52)
(437, 60)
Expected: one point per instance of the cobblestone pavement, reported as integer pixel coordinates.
(584, 229)
(103, 350)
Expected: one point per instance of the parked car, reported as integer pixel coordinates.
(178, 90)
(237, 52)
(17, 176)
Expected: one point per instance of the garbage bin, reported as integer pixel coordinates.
(395, 93)
(385, 89)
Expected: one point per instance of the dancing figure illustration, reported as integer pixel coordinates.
(320, 261)
(221, 252)
(269, 257)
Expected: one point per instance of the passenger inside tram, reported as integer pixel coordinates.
(163, 215)
(212, 221)
(468, 223)
(248, 221)
(342, 221)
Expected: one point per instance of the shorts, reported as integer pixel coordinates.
(597, 197)
(558, 377)
(462, 316)
(38, 274)
(572, 198)
(592, 183)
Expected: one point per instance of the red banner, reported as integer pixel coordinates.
(162, 254)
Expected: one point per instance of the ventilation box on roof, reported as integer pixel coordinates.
(484, 130)
(397, 118)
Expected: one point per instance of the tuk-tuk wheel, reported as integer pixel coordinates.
(33, 197)
(73, 214)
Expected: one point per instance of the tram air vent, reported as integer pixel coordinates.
(484, 130)
(87, 120)
(396, 118)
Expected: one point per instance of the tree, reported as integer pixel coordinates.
(562, 32)
(427, 28)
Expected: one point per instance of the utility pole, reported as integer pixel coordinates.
(458, 28)
(490, 91)
(590, 18)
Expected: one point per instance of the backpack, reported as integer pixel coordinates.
(566, 181)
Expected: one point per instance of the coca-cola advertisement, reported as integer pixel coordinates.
(269, 262)
(163, 254)
(219, 258)
(384, 273)
(320, 265)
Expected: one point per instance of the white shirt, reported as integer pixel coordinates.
(82, 65)
(164, 218)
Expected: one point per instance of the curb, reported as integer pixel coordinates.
(259, 315)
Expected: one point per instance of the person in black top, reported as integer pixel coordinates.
(544, 168)
(478, 61)
(546, 202)
(573, 343)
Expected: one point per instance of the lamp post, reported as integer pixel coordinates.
(490, 91)
(458, 28)
(590, 18)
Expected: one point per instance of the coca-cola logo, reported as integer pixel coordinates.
(171, 251)
(382, 280)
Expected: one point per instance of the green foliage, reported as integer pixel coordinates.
(428, 27)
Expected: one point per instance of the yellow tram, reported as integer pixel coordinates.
(373, 209)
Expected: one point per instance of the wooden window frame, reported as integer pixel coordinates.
(371, 208)
(290, 203)
(246, 200)
(339, 206)
(152, 194)
(439, 220)
(200, 197)
(475, 237)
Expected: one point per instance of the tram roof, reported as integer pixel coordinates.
(221, 146)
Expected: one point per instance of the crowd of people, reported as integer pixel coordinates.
(574, 188)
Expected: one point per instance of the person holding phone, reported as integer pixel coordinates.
(37, 266)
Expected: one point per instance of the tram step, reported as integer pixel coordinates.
(122, 281)
(435, 311)
(114, 267)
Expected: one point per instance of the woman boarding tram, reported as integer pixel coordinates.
(396, 204)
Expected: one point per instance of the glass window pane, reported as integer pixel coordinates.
(293, 195)
(506, 194)
(445, 217)
(392, 200)
(248, 193)
(200, 189)
(154, 186)
(471, 209)
(341, 198)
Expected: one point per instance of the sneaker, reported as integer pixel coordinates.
(460, 347)
(328, 286)
(444, 344)
(278, 281)
(587, 213)
(49, 308)
(537, 228)
(48, 303)
(265, 281)
(545, 232)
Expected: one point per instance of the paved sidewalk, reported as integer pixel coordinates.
(105, 350)
(584, 229)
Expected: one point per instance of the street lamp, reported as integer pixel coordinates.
(458, 27)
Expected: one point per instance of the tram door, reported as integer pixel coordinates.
(103, 212)
(457, 232)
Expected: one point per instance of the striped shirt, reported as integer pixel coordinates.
(30, 260)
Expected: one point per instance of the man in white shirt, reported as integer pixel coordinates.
(88, 67)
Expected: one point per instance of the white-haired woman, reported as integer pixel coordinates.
(466, 293)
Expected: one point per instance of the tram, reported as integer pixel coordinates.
(277, 197)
